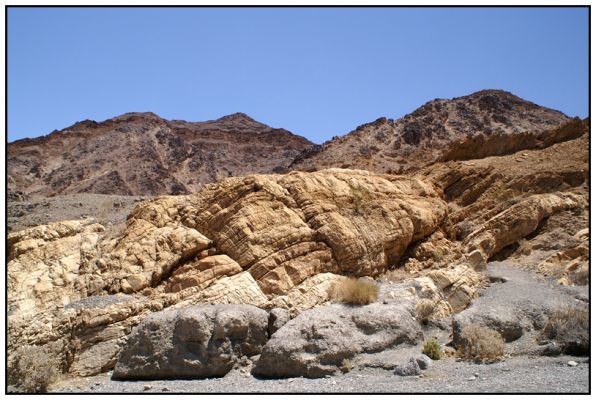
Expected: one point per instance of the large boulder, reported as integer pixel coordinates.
(317, 341)
(192, 342)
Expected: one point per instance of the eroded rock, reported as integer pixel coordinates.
(199, 341)
(316, 342)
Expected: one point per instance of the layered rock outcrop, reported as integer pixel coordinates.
(282, 229)
(44, 265)
(277, 240)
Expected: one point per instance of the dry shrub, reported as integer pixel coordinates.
(432, 349)
(361, 198)
(481, 344)
(424, 310)
(32, 369)
(397, 275)
(355, 291)
(346, 365)
(570, 327)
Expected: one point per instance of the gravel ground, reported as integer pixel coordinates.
(517, 374)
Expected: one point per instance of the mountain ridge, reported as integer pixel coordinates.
(141, 153)
(423, 135)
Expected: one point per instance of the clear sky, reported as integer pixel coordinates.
(317, 72)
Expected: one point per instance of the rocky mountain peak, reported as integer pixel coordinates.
(238, 117)
(140, 153)
(423, 135)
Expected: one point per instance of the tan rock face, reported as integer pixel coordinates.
(572, 265)
(44, 264)
(146, 253)
(202, 272)
(282, 229)
(276, 240)
(519, 220)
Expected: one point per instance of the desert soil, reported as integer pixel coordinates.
(516, 374)
(109, 210)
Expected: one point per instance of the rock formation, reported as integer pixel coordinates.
(265, 240)
(316, 342)
(266, 250)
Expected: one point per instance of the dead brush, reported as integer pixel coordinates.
(481, 344)
(424, 310)
(32, 370)
(354, 291)
(397, 275)
(569, 325)
(346, 365)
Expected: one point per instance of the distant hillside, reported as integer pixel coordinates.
(434, 131)
(143, 154)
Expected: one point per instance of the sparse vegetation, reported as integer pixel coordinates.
(570, 327)
(355, 291)
(32, 370)
(397, 275)
(481, 344)
(432, 349)
(437, 255)
(424, 310)
(361, 198)
(346, 365)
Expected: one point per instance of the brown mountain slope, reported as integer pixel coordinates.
(143, 154)
(481, 122)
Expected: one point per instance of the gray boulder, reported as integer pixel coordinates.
(409, 368)
(424, 361)
(197, 341)
(278, 317)
(317, 341)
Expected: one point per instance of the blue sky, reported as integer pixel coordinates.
(317, 72)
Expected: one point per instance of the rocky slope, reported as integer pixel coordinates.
(279, 244)
(489, 122)
(143, 154)
(266, 240)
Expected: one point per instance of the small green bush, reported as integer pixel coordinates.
(355, 291)
(432, 349)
